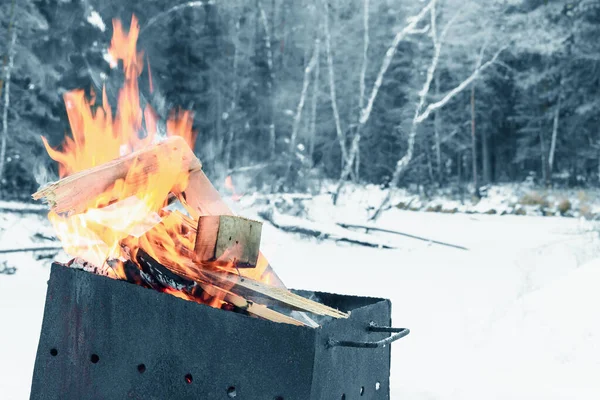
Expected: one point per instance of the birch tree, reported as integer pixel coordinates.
(315, 98)
(555, 121)
(421, 112)
(271, 81)
(365, 111)
(332, 91)
(234, 95)
(305, 84)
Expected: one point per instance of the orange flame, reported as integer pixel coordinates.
(231, 188)
(116, 218)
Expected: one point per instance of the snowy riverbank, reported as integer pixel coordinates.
(512, 317)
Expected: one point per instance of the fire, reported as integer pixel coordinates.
(129, 215)
(231, 188)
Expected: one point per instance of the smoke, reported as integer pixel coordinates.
(43, 175)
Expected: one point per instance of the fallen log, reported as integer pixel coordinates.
(292, 224)
(31, 249)
(368, 228)
(24, 210)
(75, 193)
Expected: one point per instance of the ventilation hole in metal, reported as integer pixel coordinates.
(188, 378)
(362, 390)
(94, 358)
(53, 352)
(230, 238)
(377, 385)
(141, 368)
(231, 392)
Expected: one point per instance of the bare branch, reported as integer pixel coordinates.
(389, 55)
(189, 4)
(439, 104)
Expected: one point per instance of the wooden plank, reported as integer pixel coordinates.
(166, 275)
(202, 273)
(228, 240)
(245, 286)
(252, 308)
(75, 193)
(201, 198)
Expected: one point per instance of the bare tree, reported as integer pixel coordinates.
(474, 144)
(555, 121)
(315, 99)
(305, 84)
(271, 81)
(473, 131)
(421, 115)
(234, 95)
(363, 72)
(332, 93)
(7, 74)
(437, 121)
(365, 111)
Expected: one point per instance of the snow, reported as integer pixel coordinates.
(96, 20)
(513, 317)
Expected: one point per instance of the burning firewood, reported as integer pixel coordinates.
(228, 239)
(228, 283)
(167, 278)
(116, 217)
(201, 198)
(75, 193)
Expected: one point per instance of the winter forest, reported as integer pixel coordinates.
(288, 93)
(443, 154)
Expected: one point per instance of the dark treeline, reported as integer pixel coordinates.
(381, 91)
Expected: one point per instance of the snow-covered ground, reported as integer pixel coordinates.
(514, 317)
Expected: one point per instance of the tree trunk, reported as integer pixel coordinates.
(332, 93)
(313, 117)
(271, 81)
(430, 172)
(554, 132)
(485, 157)
(363, 73)
(436, 131)
(474, 144)
(544, 161)
(234, 95)
(305, 84)
(7, 74)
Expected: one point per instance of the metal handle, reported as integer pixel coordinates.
(399, 333)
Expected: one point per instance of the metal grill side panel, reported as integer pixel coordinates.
(122, 326)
